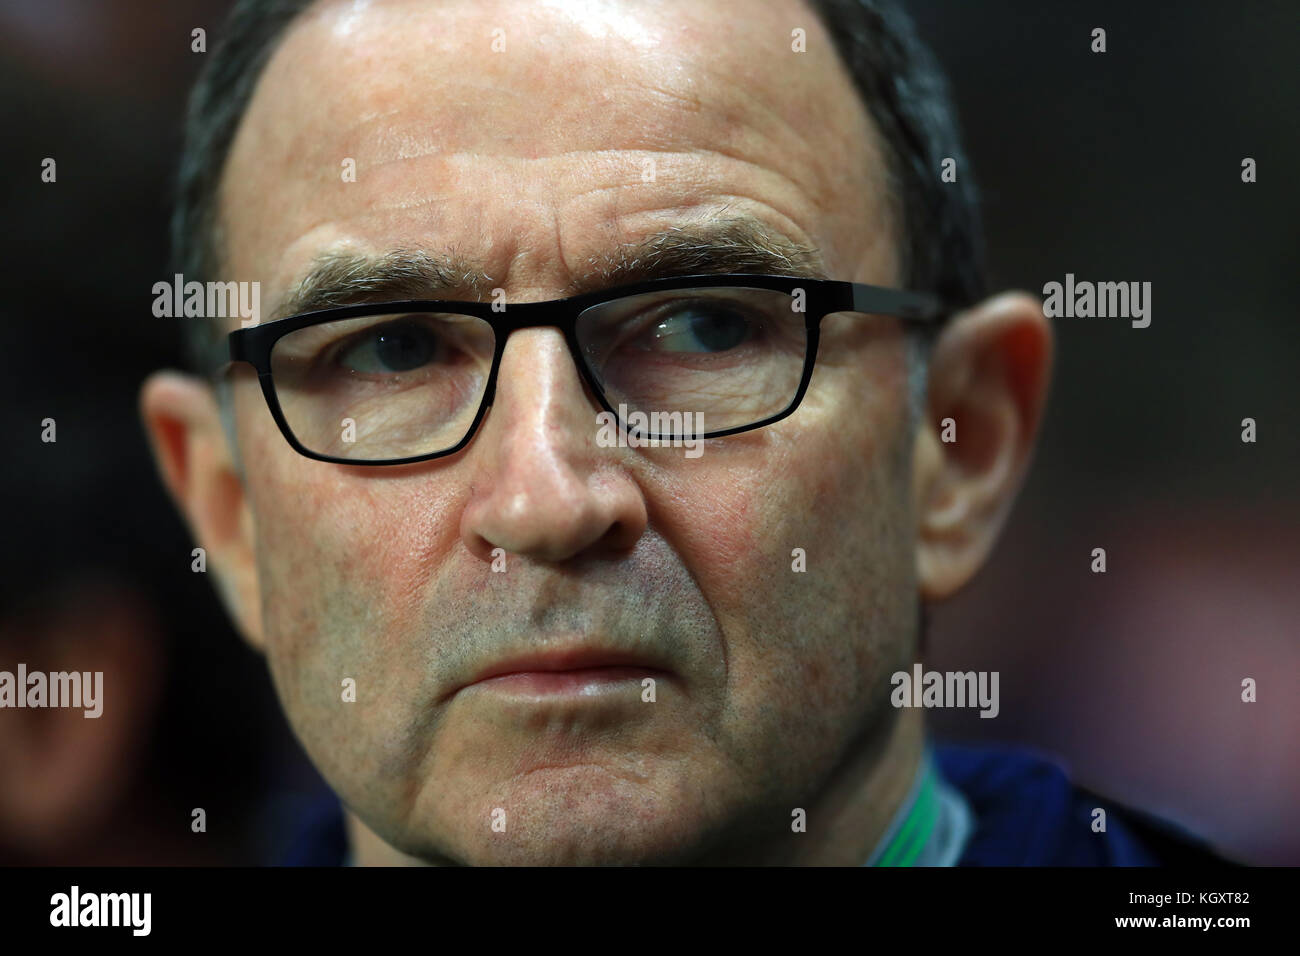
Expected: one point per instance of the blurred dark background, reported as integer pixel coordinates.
(1117, 166)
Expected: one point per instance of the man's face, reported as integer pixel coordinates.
(529, 161)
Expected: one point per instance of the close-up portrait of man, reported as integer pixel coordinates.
(676, 658)
(500, 717)
(600, 418)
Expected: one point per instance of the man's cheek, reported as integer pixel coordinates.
(797, 549)
(345, 669)
(333, 637)
(731, 516)
(332, 530)
(748, 516)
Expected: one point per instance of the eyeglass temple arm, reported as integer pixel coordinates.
(227, 352)
(917, 306)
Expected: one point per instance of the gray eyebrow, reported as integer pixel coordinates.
(717, 246)
(348, 279)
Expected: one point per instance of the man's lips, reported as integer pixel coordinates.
(582, 672)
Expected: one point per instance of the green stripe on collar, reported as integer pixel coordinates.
(917, 827)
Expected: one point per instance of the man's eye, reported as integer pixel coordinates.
(701, 329)
(396, 347)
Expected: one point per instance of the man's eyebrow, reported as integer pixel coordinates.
(714, 247)
(340, 278)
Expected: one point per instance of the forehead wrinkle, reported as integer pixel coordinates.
(699, 176)
(696, 178)
(386, 137)
(644, 225)
(379, 140)
(735, 243)
(687, 99)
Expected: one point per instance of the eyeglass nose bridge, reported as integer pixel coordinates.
(561, 315)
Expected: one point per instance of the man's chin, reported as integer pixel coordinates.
(579, 816)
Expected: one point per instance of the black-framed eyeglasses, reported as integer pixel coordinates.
(398, 382)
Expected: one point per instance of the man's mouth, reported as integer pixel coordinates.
(582, 672)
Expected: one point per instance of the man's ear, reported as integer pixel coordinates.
(183, 421)
(988, 378)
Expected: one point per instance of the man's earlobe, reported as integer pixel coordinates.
(988, 379)
(183, 421)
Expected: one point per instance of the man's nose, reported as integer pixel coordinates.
(541, 487)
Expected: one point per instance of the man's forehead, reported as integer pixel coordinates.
(420, 97)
